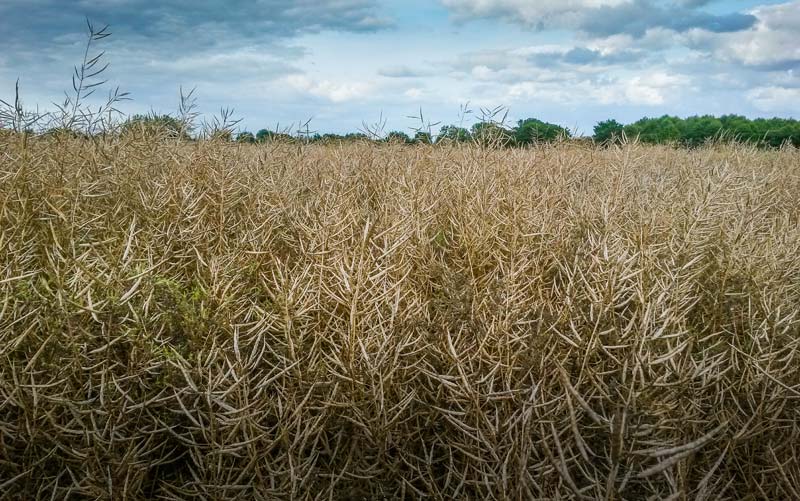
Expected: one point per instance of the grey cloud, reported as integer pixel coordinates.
(404, 72)
(582, 55)
(695, 3)
(547, 65)
(157, 46)
(771, 45)
(495, 60)
(633, 18)
(191, 22)
(637, 17)
(173, 39)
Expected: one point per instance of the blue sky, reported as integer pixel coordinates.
(344, 62)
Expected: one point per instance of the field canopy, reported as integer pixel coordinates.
(367, 321)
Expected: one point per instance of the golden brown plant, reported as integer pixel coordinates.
(221, 321)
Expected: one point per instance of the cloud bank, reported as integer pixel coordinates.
(343, 61)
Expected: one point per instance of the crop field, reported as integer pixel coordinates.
(215, 320)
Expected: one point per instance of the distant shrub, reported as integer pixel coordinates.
(64, 132)
(154, 125)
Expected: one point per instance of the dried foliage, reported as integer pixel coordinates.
(226, 321)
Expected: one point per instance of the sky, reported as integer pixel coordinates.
(346, 63)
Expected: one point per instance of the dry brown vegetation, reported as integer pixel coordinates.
(365, 322)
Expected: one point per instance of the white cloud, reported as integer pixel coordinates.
(775, 99)
(332, 91)
(639, 91)
(654, 39)
(655, 88)
(413, 93)
(249, 61)
(482, 72)
(646, 89)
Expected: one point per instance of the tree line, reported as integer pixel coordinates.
(527, 131)
(698, 130)
(690, 132)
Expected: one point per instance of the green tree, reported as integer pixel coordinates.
(398, 137)
(454, 134)
(775, 132)
(699, 130)
(492, 134)
(331, 138)
(608, 131)
(422, 137)
(263, 134)
(738, 128)
(355, 137)
(665, 129)
(245, 137)
(531, 130)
